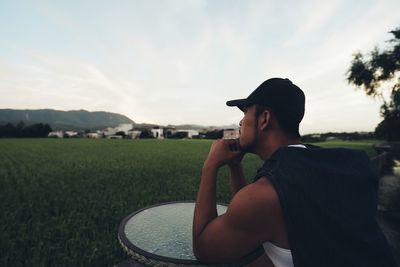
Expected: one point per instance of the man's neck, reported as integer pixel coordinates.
(273, 143)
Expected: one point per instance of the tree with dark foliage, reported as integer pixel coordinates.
(20, 130)
(381, 66)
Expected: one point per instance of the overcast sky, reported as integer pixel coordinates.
(179, 61)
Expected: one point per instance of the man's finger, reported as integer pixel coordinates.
(234, 145)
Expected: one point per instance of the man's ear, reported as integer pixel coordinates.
(265, 120)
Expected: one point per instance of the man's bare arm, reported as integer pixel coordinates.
(206, 207)
(238, 180)
(239, 231)
(243, 227)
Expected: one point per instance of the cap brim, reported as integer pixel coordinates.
(240, 103)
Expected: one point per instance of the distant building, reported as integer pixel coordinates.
(188, 133)
(134, 134)
(169, 132)
(58, 134)
(231, 134)
(124, 128)
(158, 133)
(71, 133)
(109, 131)
(120, 128)
(94, 135)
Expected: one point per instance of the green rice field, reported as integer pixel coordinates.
(62, 200)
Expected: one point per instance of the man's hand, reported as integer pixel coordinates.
(224, 152)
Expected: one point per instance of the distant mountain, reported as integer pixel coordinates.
(64, 120)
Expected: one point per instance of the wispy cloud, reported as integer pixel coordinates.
(314, 16)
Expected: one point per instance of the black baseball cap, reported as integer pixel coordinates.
(284, 98)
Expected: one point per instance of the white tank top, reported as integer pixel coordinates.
(280, 257)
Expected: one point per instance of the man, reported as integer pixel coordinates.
(307, 207)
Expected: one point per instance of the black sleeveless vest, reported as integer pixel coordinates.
(329, 203)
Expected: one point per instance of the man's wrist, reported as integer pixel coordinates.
(235, 166)
(210, 166)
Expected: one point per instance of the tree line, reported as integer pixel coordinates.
(352, 136)
(22, 130)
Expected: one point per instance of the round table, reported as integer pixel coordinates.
(161, 235)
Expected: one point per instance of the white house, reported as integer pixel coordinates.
(134, 134)
(59, 134)
(169, 132)
(126, 127)
(109, 131)
(71, 133)
(120, 128)
(158, 133)
(94, 135)
(231, 134)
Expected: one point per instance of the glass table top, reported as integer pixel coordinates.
(164, 230)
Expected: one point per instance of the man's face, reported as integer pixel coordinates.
(248, 129)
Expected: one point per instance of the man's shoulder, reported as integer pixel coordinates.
(288, 157)
(261, 192)
(256, 205)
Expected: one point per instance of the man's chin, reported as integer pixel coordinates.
(247, 148)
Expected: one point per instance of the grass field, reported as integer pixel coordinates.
(62, 200)
(366, 145)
